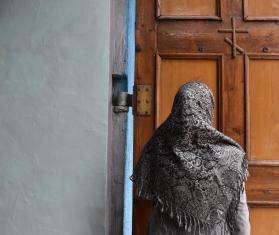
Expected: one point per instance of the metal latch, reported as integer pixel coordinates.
(140, 101)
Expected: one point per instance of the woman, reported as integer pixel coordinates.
(193, 173)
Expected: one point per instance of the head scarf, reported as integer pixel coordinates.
(190, 170)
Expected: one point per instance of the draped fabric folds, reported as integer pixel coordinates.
(192, 172)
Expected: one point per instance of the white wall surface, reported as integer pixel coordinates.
(54, 88)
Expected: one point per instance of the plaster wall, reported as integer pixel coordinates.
(54, 89)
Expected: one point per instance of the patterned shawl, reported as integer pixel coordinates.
(190, 170)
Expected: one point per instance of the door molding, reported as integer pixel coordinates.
(217, 16)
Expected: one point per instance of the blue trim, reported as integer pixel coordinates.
(130, 71)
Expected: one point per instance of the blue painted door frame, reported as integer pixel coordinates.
(130, 71)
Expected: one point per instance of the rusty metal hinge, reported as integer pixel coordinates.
(144, 97)
(140, 100)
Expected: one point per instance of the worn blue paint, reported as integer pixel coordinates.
(130, 70)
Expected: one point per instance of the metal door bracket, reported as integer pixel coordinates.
(121, 100)
(140, 100)
(144, 96)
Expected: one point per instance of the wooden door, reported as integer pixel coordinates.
(233, 46)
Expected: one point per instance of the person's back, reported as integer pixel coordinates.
(193, 173)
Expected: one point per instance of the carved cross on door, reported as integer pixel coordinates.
(232, 42)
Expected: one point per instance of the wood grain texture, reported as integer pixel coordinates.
(117, 126)
(263, 185)
(188, 9)
(144, 73)
(261, 10)
(264, 221)
(185, 50)
(264, 112)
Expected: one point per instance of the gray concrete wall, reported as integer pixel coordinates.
(54, 88)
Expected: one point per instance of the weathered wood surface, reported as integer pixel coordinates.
(183, 35)
(117, 128)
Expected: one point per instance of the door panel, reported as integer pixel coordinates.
(261, 10)
(238, 57)
(173, 71)
(263, 108)
(263, 218)
(188, 8)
